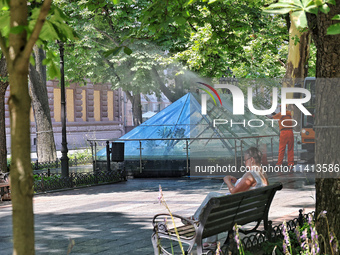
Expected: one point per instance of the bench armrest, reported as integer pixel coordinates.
(184, 220)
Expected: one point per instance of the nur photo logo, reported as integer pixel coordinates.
(239, 99)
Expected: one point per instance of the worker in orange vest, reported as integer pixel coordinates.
(286, 137)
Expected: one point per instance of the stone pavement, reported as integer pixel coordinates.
(116, 218)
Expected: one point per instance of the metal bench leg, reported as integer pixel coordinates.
(155, 242)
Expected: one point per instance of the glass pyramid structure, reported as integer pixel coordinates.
(181, 132)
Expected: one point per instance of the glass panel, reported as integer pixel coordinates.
(211, 137)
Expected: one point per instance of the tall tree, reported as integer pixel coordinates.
(17, 53)
(46, 149)
(227, 33)
(322, 20)
(297, 59)
(105, 55)
(3, 87)
(55, 28)
(327, 123)
(297, 63)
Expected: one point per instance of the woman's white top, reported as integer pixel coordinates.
(258, 178)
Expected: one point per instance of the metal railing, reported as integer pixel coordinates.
(239, 143)
(47, 181)
(254, 242)
(36, 165)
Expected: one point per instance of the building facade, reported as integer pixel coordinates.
(94, 111)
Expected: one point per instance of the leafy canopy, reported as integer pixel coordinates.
(55, 28)
(299, 9)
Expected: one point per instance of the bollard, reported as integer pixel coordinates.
(108, 151)
(270, 231)
(301, 218)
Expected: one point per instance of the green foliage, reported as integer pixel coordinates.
(53, 69)
(80, 155)
(4, 5)
(335, 28)
(299, 8)
(253, 44)
(312, 61)
(45, 178)
(4, 22)
(113, 47)
(113, 52)
(55, 28)
(304, 240)
(4, 79)
(124, 44)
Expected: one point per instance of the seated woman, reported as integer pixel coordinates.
(252, 179)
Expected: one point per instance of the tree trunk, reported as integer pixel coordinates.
(136, 108)
(46, 150)
(327, 121)
(17, 55)
(166, 91)
(21, 170)
(171, 95)
(297, 64)
(3, 87)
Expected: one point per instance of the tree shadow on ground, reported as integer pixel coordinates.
(92, 233)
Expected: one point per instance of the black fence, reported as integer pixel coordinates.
(46, 181)
(254, 242)
(36, 165)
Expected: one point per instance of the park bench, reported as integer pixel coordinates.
(4, 189)
(218, 216)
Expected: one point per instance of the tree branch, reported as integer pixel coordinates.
(37, 28)
(282, 63)
(109, 20)
(129, 95)
(192, 26)
(108, 36)
(166, 91)
(113, 68)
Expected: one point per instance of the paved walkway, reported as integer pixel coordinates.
(116, 219)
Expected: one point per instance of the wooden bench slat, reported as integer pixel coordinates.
(220, 201)
(215, 229)
(242, 206)
(186, 231)
(247, 217)
(253, 206)
(252, 215)
(219, 227)
(230, 214)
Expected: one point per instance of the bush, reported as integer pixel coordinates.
(80, 155)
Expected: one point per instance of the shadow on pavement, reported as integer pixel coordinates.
(92, 232)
